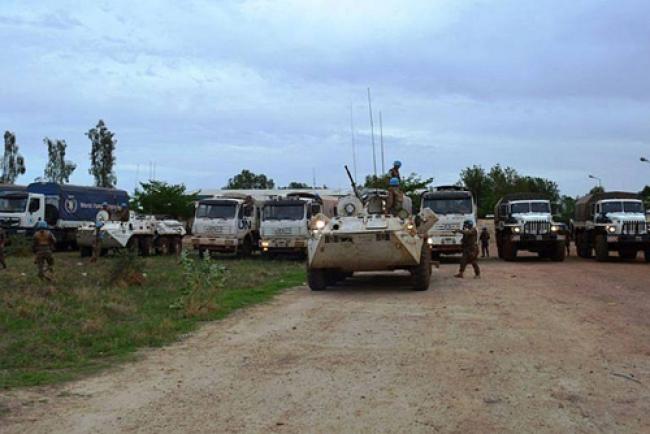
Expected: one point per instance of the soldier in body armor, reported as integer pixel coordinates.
(470, 249)
(43, 246)
(395, 199)
(394, 171)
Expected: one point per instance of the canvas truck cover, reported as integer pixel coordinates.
(583, 205)
(76, 203)
(511, 197)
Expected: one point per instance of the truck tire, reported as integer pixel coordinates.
(509, 250)
(559, 252)
(146, 246)
(600, 245)
(646, 254)
(246, 249)
(499, 246)
(628, 255)
(421, 273)
(86, 251)
(316, 279)
(582, 246)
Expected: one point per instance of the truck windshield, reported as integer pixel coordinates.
(608, 207)
(528, 207)
(214, 211)
(540, 207)
(13, 203)
(449, 206)
(284, 212)
(636, 207)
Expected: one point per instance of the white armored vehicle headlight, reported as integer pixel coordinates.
(555, 228)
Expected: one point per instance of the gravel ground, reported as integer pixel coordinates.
(532, 346)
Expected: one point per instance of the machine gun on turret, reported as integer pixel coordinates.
(354, 184)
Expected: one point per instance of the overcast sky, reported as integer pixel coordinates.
(558, 89)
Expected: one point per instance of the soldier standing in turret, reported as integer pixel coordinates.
(394, 171)
(470, 249)
(395, 199)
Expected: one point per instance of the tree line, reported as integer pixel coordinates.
(58, 169)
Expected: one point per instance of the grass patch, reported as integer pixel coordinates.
(86, 319)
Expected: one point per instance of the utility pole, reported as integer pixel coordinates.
(381, 141)
(372, 136)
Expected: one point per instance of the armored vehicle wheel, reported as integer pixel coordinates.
(316, 279)
(421, 273)
(146, 246)
(86, 251)
(628, 255)
(602, 252)
(559, 252)
(646, 254)
(201, 253)
(509, 250)
(163, 246)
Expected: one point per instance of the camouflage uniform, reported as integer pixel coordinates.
(102, 217)
(3, 240)
(43, 245)
(394, 201)
(485, 243)
(470, 252)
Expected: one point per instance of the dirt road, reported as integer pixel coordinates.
(533, 346)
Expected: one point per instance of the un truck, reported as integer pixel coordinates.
(227, 224)
(285, 221)
(611, 221)
(65, 208)
(453, 205)
(524, 221)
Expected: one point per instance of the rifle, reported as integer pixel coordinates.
(354, 185)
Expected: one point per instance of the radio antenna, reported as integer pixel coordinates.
(381, 141)
(354, 145)
(372, 135)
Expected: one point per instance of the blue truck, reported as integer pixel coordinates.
(64, 207)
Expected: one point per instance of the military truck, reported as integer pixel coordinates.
(453, 205)
(365, 237)
(146, 235)
(284, 226)
(611, 221)
(227, 224)
(523, 221)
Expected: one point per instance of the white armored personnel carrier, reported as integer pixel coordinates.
(364, 237)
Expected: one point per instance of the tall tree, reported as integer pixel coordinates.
(597, 189)
(58, 169)
(102, 155)
(645, 193)
(160, 198)
(249, 180)
(13, 163)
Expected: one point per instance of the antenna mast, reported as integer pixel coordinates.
(372, 135)
(354, 146)
(381, 141)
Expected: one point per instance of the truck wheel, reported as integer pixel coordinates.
(435, 256)
(602, 251)
(559, 252)
(499, 247)
(421, 273)
(646, 254)
(246, 249)
(146, 246)
(583, 247)
(86, 251)
(316, 279)
(509, 250)
(628, 255)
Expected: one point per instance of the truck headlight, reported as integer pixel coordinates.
(430, 241)
(516, 229)
(265, 244)
(555, 228)
(611, 229)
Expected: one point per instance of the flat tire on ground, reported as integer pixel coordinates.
(602, 251)
(316, 279)
(421, 273)
(559, 252)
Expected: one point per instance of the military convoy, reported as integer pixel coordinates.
(611, 221)
(454, 206)
(145, 235)
(285, 220)
(524, 221)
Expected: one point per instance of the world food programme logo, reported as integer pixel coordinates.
(71, 205)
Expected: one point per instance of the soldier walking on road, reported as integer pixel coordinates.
(43, 246)
(485, 242)
(470, 249)
(3, 240)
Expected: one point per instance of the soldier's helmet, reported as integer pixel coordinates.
(397, 163)
(468, 224)
(394, 182)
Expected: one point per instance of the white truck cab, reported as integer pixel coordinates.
(226, 224)
(20, 210)
(453, 205)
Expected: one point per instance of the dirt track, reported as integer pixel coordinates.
(533, 346)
